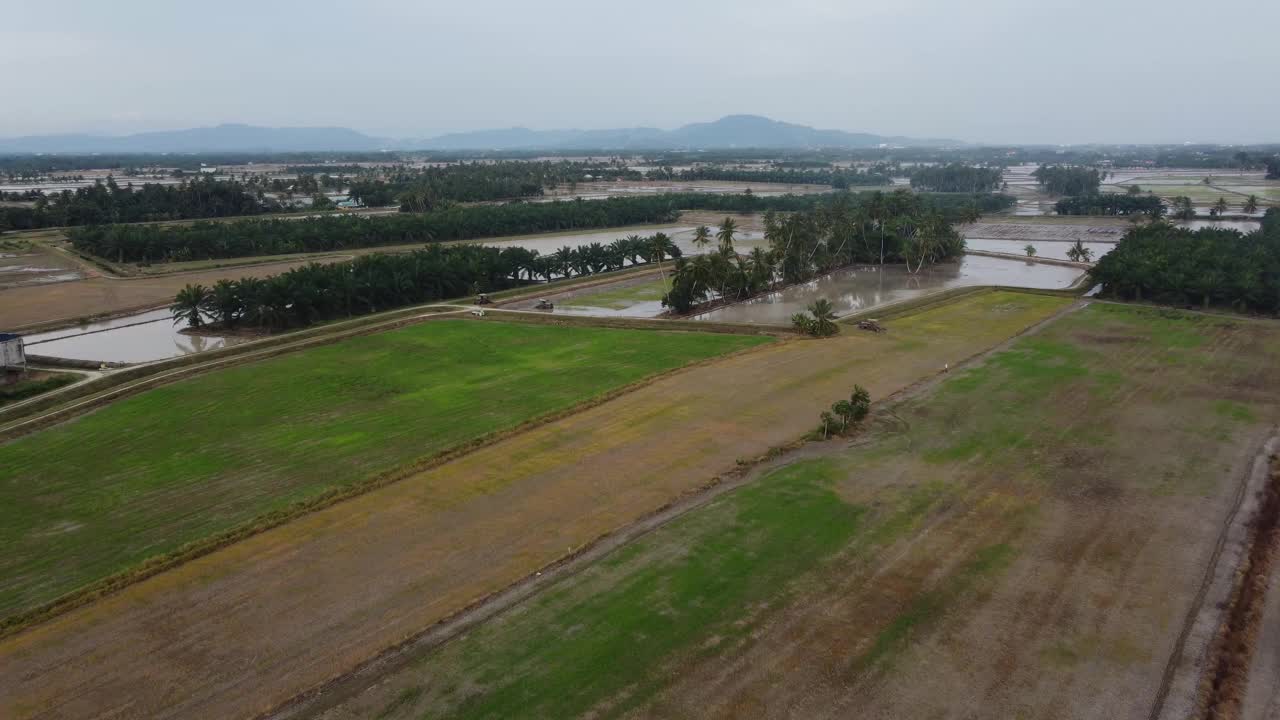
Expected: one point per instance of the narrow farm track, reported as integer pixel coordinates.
(239, 631)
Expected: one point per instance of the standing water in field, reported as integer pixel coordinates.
(868, 286)
(143, 337)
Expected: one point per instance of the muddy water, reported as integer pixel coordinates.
(681, 235)
(142, 337)
(639, 309)
(866, 287)
(1046, 249)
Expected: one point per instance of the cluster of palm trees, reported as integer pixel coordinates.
(956, 177)
(897, 227)
(1211, 266)
(376, 282)
(1068, 179)
(110, 202)
(820, 320)
(845, 414)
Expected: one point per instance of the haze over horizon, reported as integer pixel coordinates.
(993, 71)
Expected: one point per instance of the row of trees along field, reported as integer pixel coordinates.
(1068, 180)
(956, 177)
(424, 189)
(109, 202)
(1110, 204)
(836, 178)
(371, 283)
(247, 238)
(898, 227)
(1208, 267)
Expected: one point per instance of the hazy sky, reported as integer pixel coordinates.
(983, 70)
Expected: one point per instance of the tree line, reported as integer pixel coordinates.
(956, 177)
(109, 202)
(1209, 267)
(898, 227)
(836, 178)
(248, 238)
(1110, 204)
(377, 282)
(425, 189)
(1068, 179)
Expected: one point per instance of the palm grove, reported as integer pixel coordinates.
(1206, 267)
(899, 227)
(896, 227)
(372, 283)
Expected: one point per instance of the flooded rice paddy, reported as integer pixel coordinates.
(19, 268)
(143, 337)
(861, 288)
(1046, 249)
(681, 235)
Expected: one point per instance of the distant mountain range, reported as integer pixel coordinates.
(733, 131)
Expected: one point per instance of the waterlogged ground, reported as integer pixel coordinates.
(681, 235)
(865, 287)
(23, 264)
(996, 547)
(1044, 249)
(130, 339)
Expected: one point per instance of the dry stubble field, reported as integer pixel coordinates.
(1025, 540)
(238, 631)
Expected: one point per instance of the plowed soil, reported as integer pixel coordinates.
(239, 631)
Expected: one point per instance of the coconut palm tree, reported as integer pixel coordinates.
(701, 237)
(224, 303)
(727, 229)
(1221, 206)
(189, 305)
(824, 317)
(1079, 253)
(1250, 205)
(660, 246)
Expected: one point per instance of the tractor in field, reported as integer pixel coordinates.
(544, 304)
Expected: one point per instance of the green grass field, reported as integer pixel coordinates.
(786, 585)
(622, 298)
(146, 475)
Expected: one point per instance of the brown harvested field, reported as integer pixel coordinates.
(68, 301)
(1026, 540)
(236, 632)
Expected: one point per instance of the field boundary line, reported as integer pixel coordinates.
(1234, 532)
(111, 584)
(494, 604)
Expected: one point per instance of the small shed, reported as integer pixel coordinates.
(12, 352)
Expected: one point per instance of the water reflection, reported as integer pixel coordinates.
(861, 288)
(131, 339)
(1044, 248)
